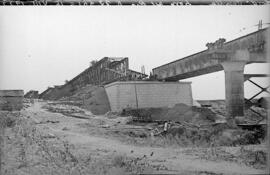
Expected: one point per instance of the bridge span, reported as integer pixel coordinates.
(229, 56)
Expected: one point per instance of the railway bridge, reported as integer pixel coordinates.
(229, 56)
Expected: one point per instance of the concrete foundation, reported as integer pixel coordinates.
(147, 94)
(234, 83)
(11, 100)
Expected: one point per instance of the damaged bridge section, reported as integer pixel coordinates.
(229, 56)
(106, 70)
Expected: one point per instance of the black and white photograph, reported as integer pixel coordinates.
(126, 88)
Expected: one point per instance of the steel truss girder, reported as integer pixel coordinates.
(248, 102)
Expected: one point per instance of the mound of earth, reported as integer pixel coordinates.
(92, 98)
(195, 115)
(178, 113)
(253, 114)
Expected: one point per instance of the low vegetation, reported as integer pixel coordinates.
(28, 147)
(27, 150)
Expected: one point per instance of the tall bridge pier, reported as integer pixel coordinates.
(234, 87)
(229, 56)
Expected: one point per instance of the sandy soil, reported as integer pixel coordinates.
(95, 138)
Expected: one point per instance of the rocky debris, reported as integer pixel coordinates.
(47, 121)
(178, 113)
(105, 126)
(68, 110)
(122, 120)
(62, 108)
(218, 134)
(71, 103)
(27, 103)
(160, 167)
(8, 118)
(49, 136)
(90, 97)
(214, 140)
(78, 115)
(65, 129)
(233, 137)
(201, 124)
(252, 116)
(254, 156)
(31, 94)
(145, 114)
(111, 114)
(195, 125)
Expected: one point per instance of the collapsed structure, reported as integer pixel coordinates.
(106, 70)
(124, 87)
(229, 56)
(31, 94)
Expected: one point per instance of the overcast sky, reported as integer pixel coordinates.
(44, 46)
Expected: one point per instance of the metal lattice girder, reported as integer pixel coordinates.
(248, 102)
(247, 77)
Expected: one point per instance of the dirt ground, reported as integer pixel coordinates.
(93, 98)
(107, 144)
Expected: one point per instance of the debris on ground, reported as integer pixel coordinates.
(27, 103)
(178, 113)
(90, 97)
(47, 121)
(201, 125)
(58, 135)
(68, 110)
(254, 156)
(253, 114)
(65, 129)
(49, 136)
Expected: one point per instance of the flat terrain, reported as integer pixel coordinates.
(107, 144)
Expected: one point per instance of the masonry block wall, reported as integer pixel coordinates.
(11, 100)
(146, 94)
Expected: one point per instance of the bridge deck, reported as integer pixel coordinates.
(208, 61)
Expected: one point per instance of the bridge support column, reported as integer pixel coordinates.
(234, 84)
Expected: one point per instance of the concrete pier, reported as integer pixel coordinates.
(234, 83)
(11, 100)
(229, 56)
(147, 94)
